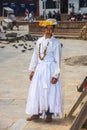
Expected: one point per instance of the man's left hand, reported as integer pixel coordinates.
(54, 80)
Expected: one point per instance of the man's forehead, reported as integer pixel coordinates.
(49, 26)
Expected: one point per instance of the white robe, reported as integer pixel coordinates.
(42, 93)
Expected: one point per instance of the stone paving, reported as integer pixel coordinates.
(14, 85)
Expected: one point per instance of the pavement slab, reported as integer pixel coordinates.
(5, 123)
(19, 125)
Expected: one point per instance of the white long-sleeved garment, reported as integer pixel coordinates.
(42, 93)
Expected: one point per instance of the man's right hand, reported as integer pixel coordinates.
(31, 75)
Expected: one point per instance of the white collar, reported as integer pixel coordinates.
(48, 38)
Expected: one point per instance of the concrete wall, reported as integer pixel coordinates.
(74, 2)
(76, 6)
(83, 10)
(41, 10)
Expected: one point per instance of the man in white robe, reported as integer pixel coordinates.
(45, 96)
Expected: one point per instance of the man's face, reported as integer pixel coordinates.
(48, 31)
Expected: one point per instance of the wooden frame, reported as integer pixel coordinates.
(80, 119)
(83, 85)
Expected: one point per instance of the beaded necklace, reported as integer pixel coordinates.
(45, 51)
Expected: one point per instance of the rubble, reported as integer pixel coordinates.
(15, 36)
(21, 37)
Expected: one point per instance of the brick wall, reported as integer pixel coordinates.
(69, 28)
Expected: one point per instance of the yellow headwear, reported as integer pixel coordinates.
(47, 22)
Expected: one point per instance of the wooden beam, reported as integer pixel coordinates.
(81, 118)
(78, 102)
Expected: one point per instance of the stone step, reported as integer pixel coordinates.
(59, 33)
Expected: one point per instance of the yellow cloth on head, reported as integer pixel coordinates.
(48, 22)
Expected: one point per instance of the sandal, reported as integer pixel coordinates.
(48, 119)
(33, 117)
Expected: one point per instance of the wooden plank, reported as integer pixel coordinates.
(81, 118)
(78, 102)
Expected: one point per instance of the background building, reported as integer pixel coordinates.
(63, 6)
(41, 6)
(19, 6)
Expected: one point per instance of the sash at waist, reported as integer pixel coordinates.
(43, 61)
